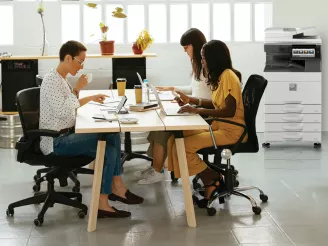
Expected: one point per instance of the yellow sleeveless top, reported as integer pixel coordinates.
(229, 84)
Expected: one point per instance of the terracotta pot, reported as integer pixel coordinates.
(136, 50)
(107, 47)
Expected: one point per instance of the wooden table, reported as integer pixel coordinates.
(148, 121)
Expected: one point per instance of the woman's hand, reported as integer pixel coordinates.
(182, 99)
(165, 88)
(189, 109)
(82, 82)
(99, 98)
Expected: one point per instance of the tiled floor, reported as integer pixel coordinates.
(295, 179)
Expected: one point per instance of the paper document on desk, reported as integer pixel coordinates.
(163, 95)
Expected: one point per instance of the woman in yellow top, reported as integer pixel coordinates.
(226, 103)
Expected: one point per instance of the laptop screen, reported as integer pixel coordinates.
(121, 104)
(156, 95)
(140, 79)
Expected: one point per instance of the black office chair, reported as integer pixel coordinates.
(28, 151)
(72, 175)
(252, 95)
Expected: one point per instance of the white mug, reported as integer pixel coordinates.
(89, 75)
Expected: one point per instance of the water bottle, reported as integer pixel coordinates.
(145, 91)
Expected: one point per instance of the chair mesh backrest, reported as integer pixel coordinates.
(252, 94)
(28, 104)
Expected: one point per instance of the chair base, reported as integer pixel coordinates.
(127, 156)
(49, 198)
(63, 182)
(211, 211)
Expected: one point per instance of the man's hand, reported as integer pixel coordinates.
(99, 98)
(189, 109)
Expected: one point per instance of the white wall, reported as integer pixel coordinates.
(170, 67)
(301, 13)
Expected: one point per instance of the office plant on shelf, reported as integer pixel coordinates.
(143, 42)
(107, 46)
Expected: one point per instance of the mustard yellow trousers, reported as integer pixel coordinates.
(195, 140)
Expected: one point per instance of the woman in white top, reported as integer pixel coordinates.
(58, 104)
(192, 42)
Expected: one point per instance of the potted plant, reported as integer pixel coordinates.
(107, 46)
(143, 41)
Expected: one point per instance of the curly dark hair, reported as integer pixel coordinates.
(218, 59)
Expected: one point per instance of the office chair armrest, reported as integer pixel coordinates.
(235, 146)
(210, 121)
(34, 134)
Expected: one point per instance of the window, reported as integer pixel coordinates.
(157, 22)
(91, 20)
(70, 22)
(242, 27)
(136, 21)
(263, 19)
(166, 20)
(200, 14)
(115, 25)
(221, 21)
(178, 21)
(6, 25)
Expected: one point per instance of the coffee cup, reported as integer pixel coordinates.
(121, 85)
(89, 76)
(138, 93)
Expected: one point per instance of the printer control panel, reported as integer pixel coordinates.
(300, 52)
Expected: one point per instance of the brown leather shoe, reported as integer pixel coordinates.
(130, 198)
(116, 214)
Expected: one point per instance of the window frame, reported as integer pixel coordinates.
(167, 3)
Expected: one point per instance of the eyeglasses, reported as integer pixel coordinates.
(81, 62)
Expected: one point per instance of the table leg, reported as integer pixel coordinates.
(97, 177)
(92, 165)
(189, 205)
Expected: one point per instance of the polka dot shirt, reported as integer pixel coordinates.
(57, 107)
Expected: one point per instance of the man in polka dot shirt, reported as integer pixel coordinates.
(58, 104)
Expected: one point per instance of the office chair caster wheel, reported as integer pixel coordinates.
(235, 172)
(317, 145)
(173, 178)
(82, 214)
(10, 212)
(76, 189)
(266, 145)
(36, 177)
(211, 211)
(257, 210)
(236, 183)
(264, 198)
(36, 188)
(38, 222)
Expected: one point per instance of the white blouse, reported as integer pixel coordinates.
(196, 89)
(57, 107)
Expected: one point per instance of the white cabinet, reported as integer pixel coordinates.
(293, 108)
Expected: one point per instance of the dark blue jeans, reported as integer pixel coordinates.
(86, 144)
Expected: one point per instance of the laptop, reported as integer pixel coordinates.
(168, 111)
(118, 108)
(163, 95)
